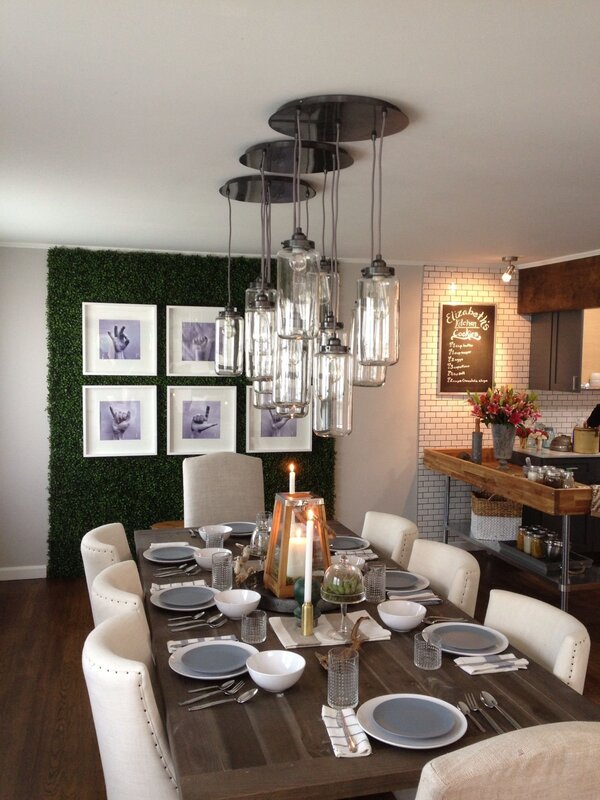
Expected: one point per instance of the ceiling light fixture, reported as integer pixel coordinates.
(510, 268)
(229, 328)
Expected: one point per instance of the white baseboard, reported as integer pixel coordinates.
(22, 573)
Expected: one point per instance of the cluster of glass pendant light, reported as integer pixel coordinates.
(294, 348)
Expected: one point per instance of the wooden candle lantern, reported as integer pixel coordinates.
(287, 546)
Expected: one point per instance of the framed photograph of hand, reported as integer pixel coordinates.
(268, 432)
(119, 421)
(201, 419)
(191, 335)
(118, 339)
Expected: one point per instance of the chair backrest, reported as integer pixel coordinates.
(453, 573)
(222, 487)
(101, 547)
(117, 665)
(551, 637)
(546, 761)
(116, 590)
(393, 536)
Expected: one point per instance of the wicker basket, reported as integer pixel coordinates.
(494, 518)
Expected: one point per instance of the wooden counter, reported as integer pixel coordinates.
(509, 483)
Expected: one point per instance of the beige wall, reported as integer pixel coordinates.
(23, 421)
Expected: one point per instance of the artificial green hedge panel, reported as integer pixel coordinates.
(140, 490)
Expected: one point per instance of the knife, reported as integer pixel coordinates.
(491, 721)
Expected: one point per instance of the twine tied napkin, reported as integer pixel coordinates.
(158, 587)
(337, 736)
(155, 545)
(425, 597)
(483, 665)
(175, 644)
(289, 632)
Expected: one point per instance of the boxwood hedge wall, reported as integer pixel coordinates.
(86, 492)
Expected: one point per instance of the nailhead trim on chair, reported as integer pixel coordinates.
(109, 550)
(159, 751)
(573, 657)
(468, 575)
(133, 604)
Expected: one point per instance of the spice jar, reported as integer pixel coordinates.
(553, 478)
(521, 537)
(537, 545)
(527, 534)
(535, 474)
(569, 479)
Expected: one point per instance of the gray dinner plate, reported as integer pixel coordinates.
(241, 528)
(184, 553)
(466, 637)
(186, 596)
(217, 659)
(349, 543)
(414, 717)
(397, 579)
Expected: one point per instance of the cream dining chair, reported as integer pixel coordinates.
(117, 665)
(453, 573)
(222, 487)
(552, 762)
(116, 590)
(393, 536)
(549, 636)
(102, 547)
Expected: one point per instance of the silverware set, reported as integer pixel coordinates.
(216, 621)
(181, 569)
(231, 689)
(242, 698)
(470, 706)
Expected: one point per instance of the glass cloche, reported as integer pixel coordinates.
(343, 583)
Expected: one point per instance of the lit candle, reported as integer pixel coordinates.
(308, 557)
(296, 554)
(292, 489)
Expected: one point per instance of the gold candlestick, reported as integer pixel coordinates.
(307, 619)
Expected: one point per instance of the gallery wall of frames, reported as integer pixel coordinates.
(132, 391)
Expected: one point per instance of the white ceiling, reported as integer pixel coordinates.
(120, 119)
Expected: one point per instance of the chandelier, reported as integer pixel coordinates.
(296, 353)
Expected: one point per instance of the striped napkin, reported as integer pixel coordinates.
(290, 635)
(483, 665)
(337, 736)
(156, 545)
(175, 644)
(158, 587)
(368, 555)
(425, 597)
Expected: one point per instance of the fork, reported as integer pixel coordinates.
(231, 691)
(173, 567)
(474, 706)
(191, 570)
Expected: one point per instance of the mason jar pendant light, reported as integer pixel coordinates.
(378, 299)
(229, 327)
(292, 378)
(369, 376)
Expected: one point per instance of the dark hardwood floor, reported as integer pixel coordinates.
(48, 742)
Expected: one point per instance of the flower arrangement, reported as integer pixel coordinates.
(504, 406)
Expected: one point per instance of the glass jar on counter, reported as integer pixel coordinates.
(535, 474)
(554, 478)
(523, 530)
(569, 478)
(537, 544)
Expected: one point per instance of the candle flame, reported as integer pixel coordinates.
(310, 514)
(292, 468)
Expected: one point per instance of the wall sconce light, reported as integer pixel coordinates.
(510, 268)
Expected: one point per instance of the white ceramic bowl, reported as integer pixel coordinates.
(204, 557)
(236, 602)
(401, 615)
(356, 561)
(224, 529)
(275, 670)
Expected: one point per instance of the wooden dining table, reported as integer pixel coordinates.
(277, 747)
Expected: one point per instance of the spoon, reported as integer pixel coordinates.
(490, 701)
(462, 706)
(199, 615)
(209, 621)
(211, 625)
(243, 698)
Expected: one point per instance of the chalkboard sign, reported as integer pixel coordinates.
(466, 347)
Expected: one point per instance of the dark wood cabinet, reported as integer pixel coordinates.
(585, 529)
(555, 351)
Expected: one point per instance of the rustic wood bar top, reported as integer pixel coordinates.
(277, 748)
(510, 483)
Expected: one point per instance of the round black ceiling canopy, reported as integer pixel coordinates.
(280, 189)
(279, 157)
(357, 116)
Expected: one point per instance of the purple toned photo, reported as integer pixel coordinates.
(198, 341)
(201, 420)
(120, 420)
(273, 424)
(119, 339)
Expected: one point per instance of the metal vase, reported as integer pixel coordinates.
(503, 437)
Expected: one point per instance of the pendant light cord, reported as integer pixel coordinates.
(323, 211)
(336, 195)
(373, 162)
(263, 243)
(383, 118)
(229, 250)
(297, 165)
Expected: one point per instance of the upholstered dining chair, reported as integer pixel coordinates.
(117, 665)
(116, 590)
(453, 573)
(549, 636)
(102, 547)
(222, 487)
(393, 536)
(551, 761)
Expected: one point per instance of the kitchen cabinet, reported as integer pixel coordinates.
(556, 350)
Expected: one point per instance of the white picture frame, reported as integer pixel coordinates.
(263, 434)
(118, 339)
(191, 339)
(119, 421)
(201, 419)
